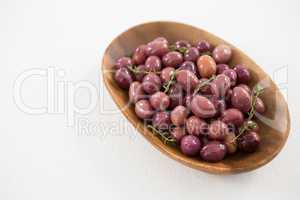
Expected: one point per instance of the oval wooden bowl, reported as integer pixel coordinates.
(274, 129)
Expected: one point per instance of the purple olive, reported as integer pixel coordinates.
(222, 53)
(217, 130)
(228, 97)
(166, 73)
(233, 116)
(203, 107)
(246, 87)
(223, 85)
(136, 92)
(141, 73)
(213, 152)
(196, 126)
(179, 115)
(230, 143)
(140, 54)
(191, 54)
(249, 142)
(157, 47)
(123, 62)
(219, 104)
(187, 79)
(221, 68)
(241, 99)
(260, 106)
(206, 66)
(123, 77)
(187, 100)
(203, 46)
(161, 120)
(182, 43)
(190, 145)
(172, 59)
(243, 74)
(188, 65)
(178, 133)
(143, 109)
(151, 83)
(176, 94)
(160, 101)
(232, 76)
(153, 63)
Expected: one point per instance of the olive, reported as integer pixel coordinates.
(233, 116)
(188, 65)
(219, 104)
(203, 46)
(142, 69)
(182, 43)
(222, 53)
(243, 74)
(157, 47)
(123, 62)
(178, 133)
(166, 73)
(190, 145)
(196, 126)
(228, 97)
(176, 95)
(260, 106)
(203, 107)
(221, 68)
(230, 143)
(187, 79)
(172, 59)
(140, 54)
(223, 84)
(187, 100)
(136, 92)
(161, 120)
(246, 87)
(160, 101)
(151, 83)
(217, 130)
(249, 142)
(123, 77)
(232, 76)
(207, 89)
(179, 115)
(191, 54)
(153, 63)
(241, 99)
(213, 152)
(206, 66)
(143, 109)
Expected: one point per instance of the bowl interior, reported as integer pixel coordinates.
(274, 125)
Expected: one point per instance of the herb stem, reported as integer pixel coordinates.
(165, 136)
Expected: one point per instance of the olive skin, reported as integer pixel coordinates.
(166, 73)
(153, 64)
(136, 92)
(202, 107)
(187, 101)
(249, 142)
(213, 152)
(140, 54)
(151, 83)
(178, 133)
(187, 79)
(123, 77)
(243, 74)
(223, 84)
(161, 120)
(176, 94)
(222, 53)
(123, 62)
(172, 59)
(241, 99)
(206, 66)
(233, 116)
(221, 68)
(218, 130)
(191, 54)
(160, 101)
(203, 46)
(182, 43)
(143, 109)
(157, 47)
(179, 115)
(188, 65)
(190, 145)
(196, 126)
(232, 76)
(260, 106)
(230, 143)
(246, 87)
(142, 69)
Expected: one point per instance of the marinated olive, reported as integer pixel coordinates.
(217, 130)
(187, 79)
(188, 65)
(151, 83)
(160, 101)
(153, 63)
(203, 46)
(123, 77)
(166, 73)
(176, 94)
(221, 68)
(206, 66)
(213, 152)
(230, 143)
(260, 106)
(123, 62)
(179, 115)
(157, 47)
(182, 43)
(241, 99)
(190, 145)
(178, 133)
(143, 109)
(243, 74)
(249, 142)
(232, 75)
(191, 54)
(161, 120)
(196, 126)
(140, 54)
(136, 92)
(202, 107)
(172, 59)
(222, 53)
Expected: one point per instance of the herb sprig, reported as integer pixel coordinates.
(172, 81)
(180, 49)
(203, 84)
(164, 136)
(133, 69)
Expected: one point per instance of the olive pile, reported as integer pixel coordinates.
(189, 96)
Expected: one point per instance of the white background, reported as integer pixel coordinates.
(43, 158)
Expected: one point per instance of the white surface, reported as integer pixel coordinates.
(41, 157)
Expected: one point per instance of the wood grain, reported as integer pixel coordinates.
(274, 129)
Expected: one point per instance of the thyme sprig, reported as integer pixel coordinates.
(180, 49)
(203, 84)
(133, 69)
(258, 89)
(164, 136)
(172, 81)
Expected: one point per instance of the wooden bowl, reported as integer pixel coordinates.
(274, 125)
